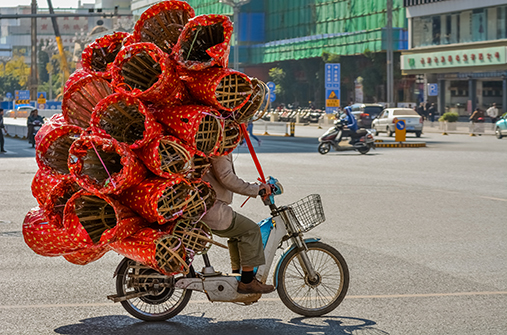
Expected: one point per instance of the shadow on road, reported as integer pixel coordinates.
(188, 324)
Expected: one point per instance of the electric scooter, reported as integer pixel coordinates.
(334, 135)
(311, 277)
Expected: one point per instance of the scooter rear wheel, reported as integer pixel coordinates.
(364, 150)
(321, 295)
(324, 148)
(167, 302)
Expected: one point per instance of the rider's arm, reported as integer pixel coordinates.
(223, 171)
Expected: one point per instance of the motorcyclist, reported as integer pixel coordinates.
(32, 120)
(351, 124)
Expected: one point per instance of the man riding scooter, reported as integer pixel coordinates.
(351, 125)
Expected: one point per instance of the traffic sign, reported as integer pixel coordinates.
(272, 97)
(432, 90)
(332, 87)
(22, 97)
(400, 131)
(8, 95)
(271, 86)
(41, 100)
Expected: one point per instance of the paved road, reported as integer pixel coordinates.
(422, 229)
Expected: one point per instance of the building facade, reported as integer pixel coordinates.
(461, 45)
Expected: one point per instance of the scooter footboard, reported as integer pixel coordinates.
(218, 288)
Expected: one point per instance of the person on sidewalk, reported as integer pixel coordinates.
(476, 122)
(432, 112)
(2, 129)
(493, 114)
(245, 241)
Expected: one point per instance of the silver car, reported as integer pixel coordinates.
(386, 121)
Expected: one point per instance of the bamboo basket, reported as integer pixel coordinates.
(166, 156)
(195, 236)
(223, 89)
(158, 250)
(201, 198)
(162, 24)
(81, 98)
(58, 198)
(204, 42)
(144, 71)
(200, 166)
(231, 138)
(43, 182)
(256, 106)
(98, 56)
(75, 76)
(197, 126)
(159, 200)
(103, 165)
(125, 119)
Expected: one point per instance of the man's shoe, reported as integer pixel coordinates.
(254, 286)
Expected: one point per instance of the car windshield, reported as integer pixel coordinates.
(405, 112)
(373, 110)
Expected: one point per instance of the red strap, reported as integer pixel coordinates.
(252, 152)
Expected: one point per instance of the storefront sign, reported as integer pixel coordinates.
(455, 58)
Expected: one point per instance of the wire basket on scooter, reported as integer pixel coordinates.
(307, 213)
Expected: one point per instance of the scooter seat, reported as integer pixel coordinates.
(361, 132)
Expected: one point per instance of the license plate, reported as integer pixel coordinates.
(410, 128)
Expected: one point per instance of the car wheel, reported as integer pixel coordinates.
(389, 132)
(417, 134)
(498, 133)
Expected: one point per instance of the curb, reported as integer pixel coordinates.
(401, 145)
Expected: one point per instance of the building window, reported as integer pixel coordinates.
(479, 25)
(501, 28)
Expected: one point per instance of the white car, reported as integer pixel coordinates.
(386, 121)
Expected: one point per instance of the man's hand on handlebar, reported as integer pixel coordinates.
(264, 190)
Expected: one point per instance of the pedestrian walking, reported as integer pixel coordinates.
(477, 122)
(421, 111)
(2, 130)
(493, 114)
(432, 111)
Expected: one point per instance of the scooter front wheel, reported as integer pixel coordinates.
(164, 303)
(324, 148)
(320, 295)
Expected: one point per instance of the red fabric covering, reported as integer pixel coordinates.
(152, 129)
(115, 181)
(217, 54)
(144, 197)
(42, 184)
(57, 199)
(167, 89)
(152, 159)
(75, 76)
(46, 238)
(183, 122)
(49, 133)
(203, 85)
(164, 6)
(105, 45)
(81, 97)
(142, 248)
(125, 223)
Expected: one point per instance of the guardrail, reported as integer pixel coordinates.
(276, 128)
(14, 130)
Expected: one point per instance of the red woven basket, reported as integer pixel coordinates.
(98, 56)
(126, 119)
(205, 42)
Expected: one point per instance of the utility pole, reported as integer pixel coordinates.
(235, 4)
(33, 66)
(389, 54)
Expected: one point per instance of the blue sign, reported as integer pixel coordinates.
(272, 86)
(53, 104)
(22, 95)
(8, 95)
(400, 125)
(432, 90)
(332, 87)
(272, 97)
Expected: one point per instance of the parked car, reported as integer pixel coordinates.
(386, 121)
(501, 126)
(365, 113)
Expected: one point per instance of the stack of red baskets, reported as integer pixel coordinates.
(121, 168)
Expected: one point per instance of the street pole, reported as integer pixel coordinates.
(33, 66)
(389, 54)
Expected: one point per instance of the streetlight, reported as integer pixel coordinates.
(235, 4)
